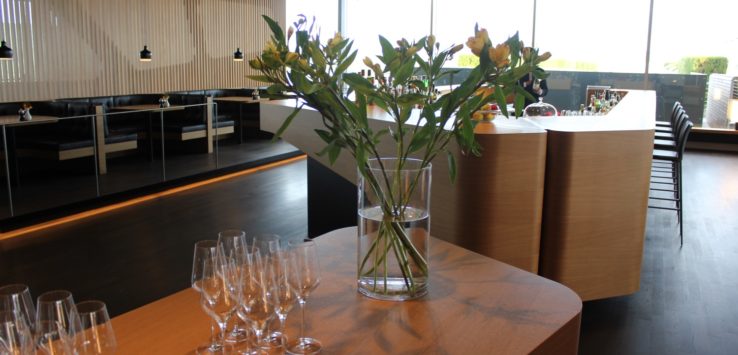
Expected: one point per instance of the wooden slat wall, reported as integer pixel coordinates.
(81, 48)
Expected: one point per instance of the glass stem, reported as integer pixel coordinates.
(302, 322)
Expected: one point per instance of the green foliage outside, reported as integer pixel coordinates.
(563, 64)
(702, 65)
(468, 61)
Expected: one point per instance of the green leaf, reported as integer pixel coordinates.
(358, 83)
(333, 152)
(262, 78)
(404, 72)
(286, 123)
(276, 89)
(451, 166)
(388, 51)
(519, 103)
(324, 135)
(501, 102)
(276, 30)
(345, 64)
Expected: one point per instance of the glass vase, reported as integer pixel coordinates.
(394, 228)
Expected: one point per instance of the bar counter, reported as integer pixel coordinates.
(565, 197)
(475, 305)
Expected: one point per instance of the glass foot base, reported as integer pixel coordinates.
(303, 346)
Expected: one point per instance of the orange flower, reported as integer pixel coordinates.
(484, 91)
(500, 55)
(476, 43)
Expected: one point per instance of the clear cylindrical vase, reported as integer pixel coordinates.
(394, 228)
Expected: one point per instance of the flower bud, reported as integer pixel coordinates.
(368, 62)
(457, 48)
(291, 57)
(431, 41)
(290, 32)
(255, 63)
(544, 57)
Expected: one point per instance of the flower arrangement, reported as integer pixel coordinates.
(315, 72)
(25, 111)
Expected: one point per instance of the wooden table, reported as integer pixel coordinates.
(475, 305)
(240, 100)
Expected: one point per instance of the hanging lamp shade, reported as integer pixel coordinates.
(145, 55)
(238, 55)
(5, 52)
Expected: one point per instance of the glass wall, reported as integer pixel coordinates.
(454, 22)
(600, 36)
(366, 20)
(324, 11)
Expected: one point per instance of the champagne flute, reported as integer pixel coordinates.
(232, 243)
(303, 277)
(266, 243)
(219, 292)
(58, 306)
(204, 250)
(97, 335)
(15, 334)
(17, 298)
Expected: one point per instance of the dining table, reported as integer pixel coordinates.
(241, 101)
(475, 305)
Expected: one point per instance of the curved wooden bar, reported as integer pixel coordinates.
(475, 305)
(597, 180)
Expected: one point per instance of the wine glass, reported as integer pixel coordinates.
(257, 300)
(15, 334)
(232, 243)
(58, 306)
(17, 298)
(52, 339)
(266, 243)
(219, 291)
(303, 277)
(284, 295)
(97, 335)
(204, 250)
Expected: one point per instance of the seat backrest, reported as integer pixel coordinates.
(683, 135)
(675, 112)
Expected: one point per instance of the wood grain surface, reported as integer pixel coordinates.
(475, 305)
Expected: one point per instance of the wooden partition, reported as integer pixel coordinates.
(85, 48)
(596, 199)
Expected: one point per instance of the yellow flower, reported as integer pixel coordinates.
(431, 41)
(544, 57)
(476, 43)
(271, 48)
(368, 62)
(499, 55)
(335, 40)
(291, 57)
(303, 64)
(255, 64)
(411, 51)
(484, 91)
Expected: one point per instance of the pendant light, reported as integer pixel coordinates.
(238, 55)
(6, 53)
(145, 55)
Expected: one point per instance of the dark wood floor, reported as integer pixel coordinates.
(688, 302)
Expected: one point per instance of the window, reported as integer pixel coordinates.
(598, 36)
(455, 20)
(684, 31)
(324, 11)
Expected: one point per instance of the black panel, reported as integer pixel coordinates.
(331, 200)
